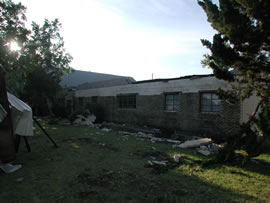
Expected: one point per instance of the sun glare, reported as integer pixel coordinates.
(14, 46)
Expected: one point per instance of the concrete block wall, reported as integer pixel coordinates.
(150, 111)
(150, 102)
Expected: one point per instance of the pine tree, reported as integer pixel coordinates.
(240, 54)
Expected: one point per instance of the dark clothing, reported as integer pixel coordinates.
(7, 140)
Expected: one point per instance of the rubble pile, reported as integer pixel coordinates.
(164, 165)
(85, 120)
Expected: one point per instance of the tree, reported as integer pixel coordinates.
(240, 54)
(42, 55)
(47, 62)
(12, 28)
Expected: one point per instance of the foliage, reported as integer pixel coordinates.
(240, 55)
(45, 49)
(12, 28)
(48, 61)
(34, 71)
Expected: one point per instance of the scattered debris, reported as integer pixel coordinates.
(84, 120)
(161, 163)
(204, 152)
(131, 128)
(176, 158)
(209, 149)
(195, 143)
(106, 129)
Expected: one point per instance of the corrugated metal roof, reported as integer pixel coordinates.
(77, 77)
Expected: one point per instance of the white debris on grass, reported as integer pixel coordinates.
(106, 129)
(161, 163)
(82, 120)
(194, 143)
(209, 149)
(176, 158)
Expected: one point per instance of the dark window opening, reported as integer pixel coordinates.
(210, 102)
(172, 102)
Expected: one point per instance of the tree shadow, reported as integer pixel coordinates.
(254, 165)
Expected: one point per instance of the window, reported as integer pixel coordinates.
(172, 102)
(127, 101)
(210, 102)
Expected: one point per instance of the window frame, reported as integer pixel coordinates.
(212, 105)
(175, 106)
(127, 101)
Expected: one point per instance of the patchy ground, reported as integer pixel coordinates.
(95, 165)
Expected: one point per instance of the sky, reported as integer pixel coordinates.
(137, 38)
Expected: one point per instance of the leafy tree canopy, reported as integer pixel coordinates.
(240, 54)
(42, 55)
(12, 28)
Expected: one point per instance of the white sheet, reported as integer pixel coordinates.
(21, 115)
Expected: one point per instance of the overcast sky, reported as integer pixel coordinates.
(130, 37)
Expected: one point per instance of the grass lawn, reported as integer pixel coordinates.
(91, 165)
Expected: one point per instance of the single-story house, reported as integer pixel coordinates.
(188, 103)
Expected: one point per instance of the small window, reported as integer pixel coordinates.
(172, 102)
(127, 101)
(210, 102)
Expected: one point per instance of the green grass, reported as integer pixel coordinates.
(95, 166)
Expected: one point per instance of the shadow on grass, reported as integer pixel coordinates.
(255, 165)
(134, 187)
(95, 173)
(258, 166)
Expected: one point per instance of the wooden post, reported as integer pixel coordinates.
(7, 139)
